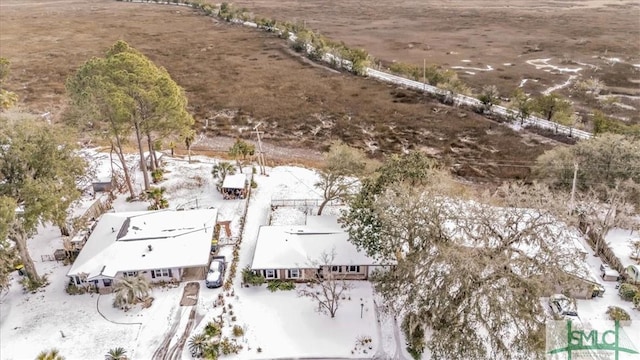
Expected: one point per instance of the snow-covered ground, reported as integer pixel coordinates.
(593, 311)
(619, 241)
(281, 324)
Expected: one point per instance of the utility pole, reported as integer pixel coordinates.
(573, 186)
(424, 75)
(260, 152)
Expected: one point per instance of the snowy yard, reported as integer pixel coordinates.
(276, 324)
(619, 241)
(281, 324)
(594, 310)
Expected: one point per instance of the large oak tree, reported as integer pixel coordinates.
(39, 170)
(469, 273)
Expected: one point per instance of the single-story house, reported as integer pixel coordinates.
(234, 186)
(633, 273)
(161, 245)
(297, 252)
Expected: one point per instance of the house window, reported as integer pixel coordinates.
(106, 282)
(353, 268)
(270, 274)
(293, 273)
(130, 273)
(337, 269)
(161, 272)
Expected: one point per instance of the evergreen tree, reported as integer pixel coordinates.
(130, 94)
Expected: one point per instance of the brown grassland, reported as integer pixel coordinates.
(235, 77)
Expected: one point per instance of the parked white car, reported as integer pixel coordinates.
(562, 306)
(215, 276)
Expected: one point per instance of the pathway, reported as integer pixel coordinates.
(175, 353)
(163, 349)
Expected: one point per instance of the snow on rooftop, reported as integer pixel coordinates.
(121, 241)
(291, 247)
(236, 181)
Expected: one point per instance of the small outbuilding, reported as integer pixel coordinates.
(234, 186)
(609, 274)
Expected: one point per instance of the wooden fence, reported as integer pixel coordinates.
(303, 202)
(606, 254)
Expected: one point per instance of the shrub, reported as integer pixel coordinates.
(254, 184)
(249, 277)
(31, 285)
(259, 349)
(636, 300)
(238, 331)
(618, 314)
(628, 291)
(228, 346)
(156, 175)
(233, 318)
(280, 285)
(212, 330)
(72, 289)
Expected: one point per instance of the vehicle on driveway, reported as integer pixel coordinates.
(215, 276)
(562, 307)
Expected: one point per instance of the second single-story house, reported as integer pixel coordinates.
(302, 252)
(160, 245)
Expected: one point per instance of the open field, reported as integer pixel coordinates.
(489, 42)
(235, 77)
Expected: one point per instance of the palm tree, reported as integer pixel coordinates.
(221, 170)
(189, 137)
(198, 344)
(156, 196)
(52, 354)
(130, 290)
(241, 148)
(116, 354)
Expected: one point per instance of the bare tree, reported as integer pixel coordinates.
(326, 288)
(338, 175)
(472, 272)
(604, 208)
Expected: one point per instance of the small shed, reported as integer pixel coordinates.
(633, 273)
(234, 186)
(608, 274)
(104, 184)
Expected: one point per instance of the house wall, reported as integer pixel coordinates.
(583, 290)
(306, 274)
(175, 274)
(361, 274)
(309, 273)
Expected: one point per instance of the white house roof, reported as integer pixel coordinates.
(236, 181)
(146, 240)
(291, 247)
